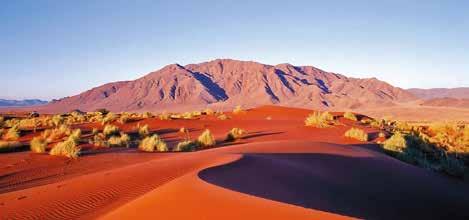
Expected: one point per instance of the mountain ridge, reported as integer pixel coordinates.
(21, 103)
(225, 83)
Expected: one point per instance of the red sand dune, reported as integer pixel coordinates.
(280, 170)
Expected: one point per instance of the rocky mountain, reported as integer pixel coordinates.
(225, 83)
(20, 103)
(457, 93)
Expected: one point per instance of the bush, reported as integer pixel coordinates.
(147, 115)
(57, 133)
(206, 139)
(110, 117)
(208, 111)
(350, 116)
(319, 120)
(12, 134)
(396, 143)
(143, 131)
(238, 110)
(164, 116)
(102, 111)
(223, 117)
(357, 133)
(66, 148)
(110, 130)
(124, 118)
(38, 145)
(152, 144)
(99, 140)
(234, 134)
(119, 141)
(75, 135)
(57, 120)
(2, 121)
(186, 146)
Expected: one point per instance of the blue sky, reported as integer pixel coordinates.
(52, 49)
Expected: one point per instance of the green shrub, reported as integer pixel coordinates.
(357, 133)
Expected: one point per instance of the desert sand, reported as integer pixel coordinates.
(279, 170)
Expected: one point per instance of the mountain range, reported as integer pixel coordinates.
(20, 103)
(224, 83)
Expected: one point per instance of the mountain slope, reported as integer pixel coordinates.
(25, 102)
(457, 93)
(225, 83)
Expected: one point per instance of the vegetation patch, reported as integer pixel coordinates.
(38, 145)
(152, 144)
(320, 120)
(206, 139)
(350, 116)
(235, 134)
(357, 134)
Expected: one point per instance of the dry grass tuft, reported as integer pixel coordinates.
(110, 130)
(38, 145)
(186, 146)
(147, 115)
(396, 143)
(164, 116)
(238, 110)
(57, 120)
(208, 111)
(12, 134)
(235, 134)
(357, 134)
(124, 118)
(350, 116)
(152, 144)
(56, 133)
(119, 141)
(110, 117)
(223, 117)
(143, 131)
(99, 140)
(206, 139)
(66, 148)
(320, 120)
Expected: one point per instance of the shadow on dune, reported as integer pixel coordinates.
(363, 187)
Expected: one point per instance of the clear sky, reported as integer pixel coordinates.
(52, 49)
